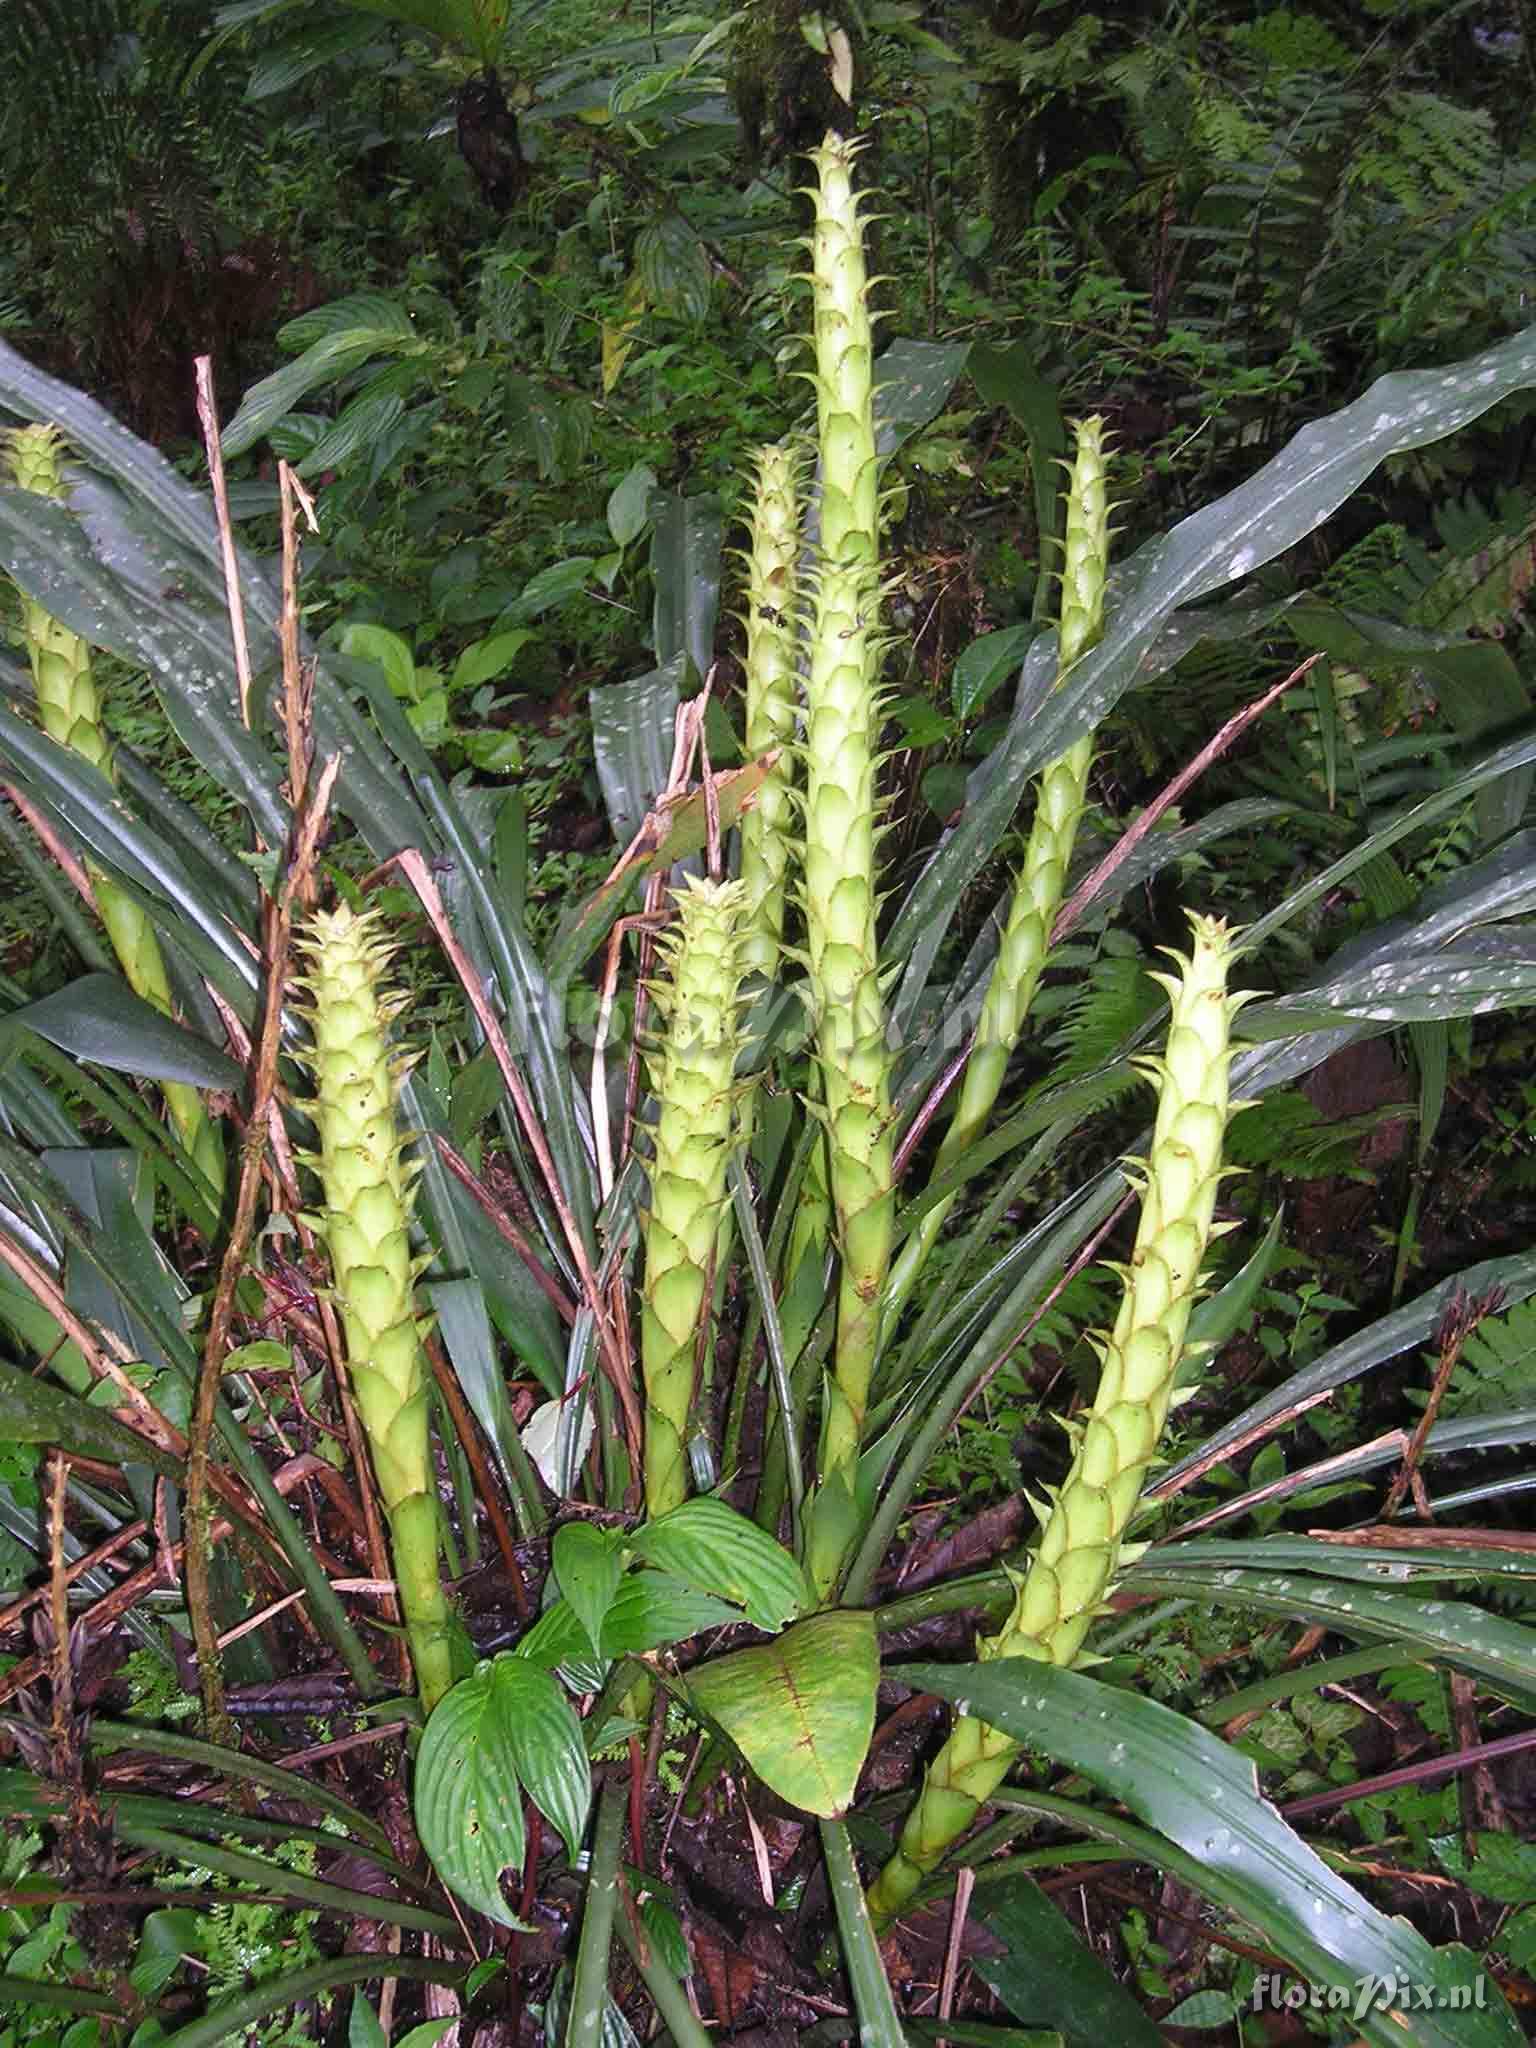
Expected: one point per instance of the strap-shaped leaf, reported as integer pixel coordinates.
(1204, 1796)
(1487, 1646)
(100, 1018)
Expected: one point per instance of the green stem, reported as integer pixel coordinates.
(667, 1995)
(879, 2025)
(589, 1990)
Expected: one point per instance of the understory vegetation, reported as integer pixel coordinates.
(767, 1212)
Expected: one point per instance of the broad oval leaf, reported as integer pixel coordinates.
(1045, 1973)
(507, 1727)
(1204, 1796)
(629, 503)
(588, 1567)
(984, 664)
(800, 1709)
(713, 1548)
(325, 362)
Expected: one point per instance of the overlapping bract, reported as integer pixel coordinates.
(1059, 798)
(366, 1229)
(692, 1073)
(842, 721)
(772, 688)
(1084, 1525)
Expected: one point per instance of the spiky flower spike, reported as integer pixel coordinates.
(71, 714)
(1080, 1547)
(366, 1228)
(1059, 798)
(772, 689)
(842, 726)
(692, 1073)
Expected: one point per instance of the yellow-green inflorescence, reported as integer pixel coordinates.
(70, 711)
(692, 1076)
(1084, 1524)
(772, 688)
(365, 1225)
(842, 720)
(1059, 798)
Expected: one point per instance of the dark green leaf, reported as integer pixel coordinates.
(984, 664)
(685, 566)
(1226, 540)
(675, 266)
(1045, 1975)
(632, 743)
(912, 381)
(588, 1566)
(99, 1018)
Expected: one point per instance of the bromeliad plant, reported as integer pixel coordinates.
(602, 1278)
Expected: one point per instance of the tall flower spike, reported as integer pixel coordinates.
(1073, 1568)
(842, 726)
(366, 1228)
(70, 711)
(1059, 798)
(692, 1074)
(772, 692)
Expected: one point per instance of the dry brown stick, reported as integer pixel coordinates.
(298, 682)
(1303, 1480)
(279, 925)
(489, 1486)
(1125, 845)
(1090, 886)
(1164, 1489)
(99, 1358)
(1392, 1535)
(965, 1884)
(1461, 1318)
(69, 864)
(102, 1554)
(114, 1604)
(65, 1762)
(234, 596)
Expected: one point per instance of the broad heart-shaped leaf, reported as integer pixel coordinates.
(801, 1709)
(1204, 1796)
(713, 1548)
(100, 1018)
(507, 1727)
(1226, 540)
(588, 1565)
(1046, 1975)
